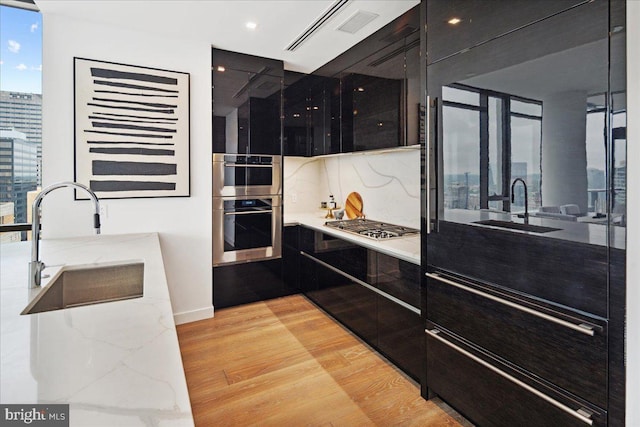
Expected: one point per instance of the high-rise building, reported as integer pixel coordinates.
(23, 112)
(18, 171)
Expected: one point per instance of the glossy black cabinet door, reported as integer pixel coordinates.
(311, 115)
(484, 390)
(529, 105)
(347, 301)
(340, 276)
(291, 259)
(245, 283)
(398, 278)
(401, 336)
(455, 25)
(551, 344)
(247, 96)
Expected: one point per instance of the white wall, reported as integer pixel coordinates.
(633, 208)
(184, 223)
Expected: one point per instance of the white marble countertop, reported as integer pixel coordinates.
(115, 363)
(405, 248)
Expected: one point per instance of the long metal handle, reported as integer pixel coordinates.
(248, 212)
(246, 165)
(361, 283)
(581, 414)
(583, 328)
(427, 165)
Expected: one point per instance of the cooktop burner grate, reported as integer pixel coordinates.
(373, 229)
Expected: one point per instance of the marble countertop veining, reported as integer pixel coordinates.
(405, 248)
(115, 363)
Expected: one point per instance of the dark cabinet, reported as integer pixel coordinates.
(291, 259)
(381, 87)
(527, 334)
(401, 336)
(456, 25)
(247, 101)
(365, 99)
(531, 331)
(311, 115)
(245, 283)
(489, 392)
(375, 295)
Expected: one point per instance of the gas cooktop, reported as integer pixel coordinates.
(372, 229)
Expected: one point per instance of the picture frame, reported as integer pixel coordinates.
(132, 130)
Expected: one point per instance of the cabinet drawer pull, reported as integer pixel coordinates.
(583, 328)
(361, 283)
(582, 414)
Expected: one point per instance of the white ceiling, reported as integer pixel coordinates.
(222, 23)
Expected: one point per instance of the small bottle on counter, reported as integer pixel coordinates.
(332, 202)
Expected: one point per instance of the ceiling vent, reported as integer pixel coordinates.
(317, 24)
(357, 21)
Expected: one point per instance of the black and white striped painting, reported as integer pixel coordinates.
(131, 130)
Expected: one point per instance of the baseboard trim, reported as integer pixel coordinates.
(193, 315)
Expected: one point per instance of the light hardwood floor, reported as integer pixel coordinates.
(284, 362)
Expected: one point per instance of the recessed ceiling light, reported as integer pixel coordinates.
(454, 21)
(251, 25)
(221, 68)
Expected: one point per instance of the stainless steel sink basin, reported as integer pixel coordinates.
(90, 284)
(517, 226)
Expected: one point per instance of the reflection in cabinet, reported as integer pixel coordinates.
(365, 99)
(401, 336)
(246, 95)
(524, 91)
(311, 115)
(370, 293)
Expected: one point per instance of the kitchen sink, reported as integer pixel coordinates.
(517, 226)
(90, 284)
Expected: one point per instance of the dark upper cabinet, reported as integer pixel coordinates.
(311, 115)
(381, 89)
(365, 99)
(247, 101)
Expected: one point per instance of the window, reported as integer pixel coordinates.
(490, 139)
(20, 114)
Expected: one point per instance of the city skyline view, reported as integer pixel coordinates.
(20, 50)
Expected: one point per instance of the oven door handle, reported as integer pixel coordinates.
(248, 212)
(245, 165)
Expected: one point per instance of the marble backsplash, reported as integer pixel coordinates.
(388, 181)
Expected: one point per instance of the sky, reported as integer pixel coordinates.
(20, 50)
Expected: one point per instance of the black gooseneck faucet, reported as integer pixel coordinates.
(526, 199)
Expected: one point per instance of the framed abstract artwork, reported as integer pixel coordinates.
(131, 130)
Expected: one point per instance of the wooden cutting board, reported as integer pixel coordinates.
(353, 206)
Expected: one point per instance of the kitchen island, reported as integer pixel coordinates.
(115, 363)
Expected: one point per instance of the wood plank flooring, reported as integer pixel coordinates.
(284, 362)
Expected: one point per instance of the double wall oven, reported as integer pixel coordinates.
(247, 208)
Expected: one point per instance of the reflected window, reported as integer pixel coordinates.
(490, 139)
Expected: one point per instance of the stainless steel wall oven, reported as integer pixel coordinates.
(246, 228)
(246, 174)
